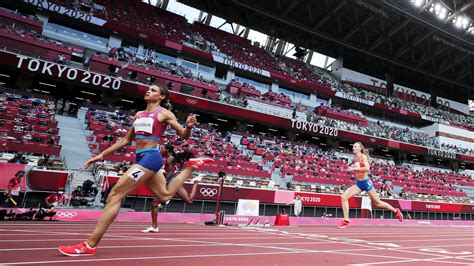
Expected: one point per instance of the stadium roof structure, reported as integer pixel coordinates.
(375, 37)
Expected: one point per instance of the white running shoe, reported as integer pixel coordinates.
(151, 230)
(198, 178)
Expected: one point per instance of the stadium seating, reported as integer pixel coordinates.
(297, 69)
(340, 114)
(28, 124)
(376, 95)
(256, 158)
(238, 48)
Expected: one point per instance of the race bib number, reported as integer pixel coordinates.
(136, 174)
(144, 124)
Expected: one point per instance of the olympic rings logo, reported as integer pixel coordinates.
(191, 101)
(208, 192)
(67, 215)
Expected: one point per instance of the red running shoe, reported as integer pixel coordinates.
(77, 250)
(198, 162)
(399, 215)
(343, 224)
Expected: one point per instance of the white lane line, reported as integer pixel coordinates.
(126, 238)
(409, 261)
(424, 240)
(164, 246)
(150, 258)
(201, 256)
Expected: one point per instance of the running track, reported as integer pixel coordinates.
(190, 244)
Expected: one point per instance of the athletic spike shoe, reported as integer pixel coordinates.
(399, 215)
(343, 224)
(77, 250)
(151, 229)
(198, 162)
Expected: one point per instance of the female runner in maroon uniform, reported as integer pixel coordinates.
(173, 162)
(148, 128)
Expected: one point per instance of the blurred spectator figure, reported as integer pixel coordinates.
(45, 161)
(27, 137)
(56, 199)
(19, 158)
(51, 141)
(67, 106)
(6, 136)
(221, 173)
(297, 206)
(107, 138)
(59, 106)
(12, 196)
(29, 128)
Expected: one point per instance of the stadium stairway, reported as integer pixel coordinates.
(469, 190)
(73, 142)
(277, 179)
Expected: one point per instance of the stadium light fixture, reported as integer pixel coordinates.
(465, 23)
(471, 29)
(418, 3)
(461, 22)
(443, 13)
(127, 101)
(4, 75)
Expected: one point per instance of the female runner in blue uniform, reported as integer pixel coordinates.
(148, 128)
(361, 168)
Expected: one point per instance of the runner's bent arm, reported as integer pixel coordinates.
(183, 132)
